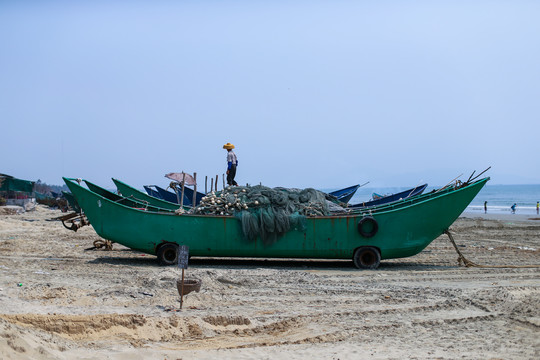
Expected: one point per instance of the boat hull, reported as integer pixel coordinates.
(152, 192)
(402, 230)
(346, 194)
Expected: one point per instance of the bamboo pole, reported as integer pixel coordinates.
(194, 190)
(206, 184)
(211, 184)
(216, 182)
(223, 178)
(183, 185)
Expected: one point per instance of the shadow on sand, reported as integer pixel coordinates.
(133, 258)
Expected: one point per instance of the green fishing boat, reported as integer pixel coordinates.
(130, 192)
(366, 236)
(71, 201)
(130, 202)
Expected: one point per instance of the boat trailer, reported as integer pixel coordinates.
(73, 221)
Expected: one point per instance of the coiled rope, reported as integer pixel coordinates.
(102, 243)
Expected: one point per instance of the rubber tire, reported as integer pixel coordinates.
(367, 257)
(168, 254)
(374, 225)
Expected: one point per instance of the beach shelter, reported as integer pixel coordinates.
(13, 188)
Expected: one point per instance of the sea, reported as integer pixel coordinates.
(499, 197)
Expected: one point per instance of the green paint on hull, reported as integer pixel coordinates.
(404, 228)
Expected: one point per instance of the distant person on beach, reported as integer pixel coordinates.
(513, 207)
(537, 207)
(485, 207)
(232, 163)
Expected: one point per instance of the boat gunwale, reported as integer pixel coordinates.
(165, 202)
(396, 205)
(143, 204)
(373, 211)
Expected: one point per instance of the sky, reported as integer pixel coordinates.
(322, 94)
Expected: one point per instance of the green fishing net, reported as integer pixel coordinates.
(267, 212)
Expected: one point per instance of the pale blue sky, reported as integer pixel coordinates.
(320, 94)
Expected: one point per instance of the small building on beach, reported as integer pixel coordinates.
(17, 192)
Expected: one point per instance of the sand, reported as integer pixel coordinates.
(60, 301)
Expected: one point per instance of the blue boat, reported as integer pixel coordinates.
(151, 191)
(189, 194)
(393, 197)
(344, 195)
(171, 196)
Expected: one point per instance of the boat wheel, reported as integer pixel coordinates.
(366, 257)
(168, 254)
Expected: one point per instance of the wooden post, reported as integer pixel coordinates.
(216, 182)
(183, 185)
(223, 178)
(194, 203)
(182, 290)
(183, 259)
(211, 184)
(206, 184)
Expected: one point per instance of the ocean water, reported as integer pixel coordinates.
(499, 197)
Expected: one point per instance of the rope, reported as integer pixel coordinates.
(147, 203)
(462, 260)
(107, 244)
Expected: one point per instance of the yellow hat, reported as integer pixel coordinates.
(228, 146)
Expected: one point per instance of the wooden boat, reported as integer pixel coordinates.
(344, 195)
(400, 229)
(393, 197)
(129, 192)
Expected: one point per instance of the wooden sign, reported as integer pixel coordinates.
(183, 256)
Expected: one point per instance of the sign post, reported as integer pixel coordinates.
(183, 258)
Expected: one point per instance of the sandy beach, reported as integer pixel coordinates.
(61, 301)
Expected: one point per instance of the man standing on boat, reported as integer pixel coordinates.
(232, 163)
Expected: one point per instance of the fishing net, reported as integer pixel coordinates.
(267, 212)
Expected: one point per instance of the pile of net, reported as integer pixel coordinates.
(267, 212)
